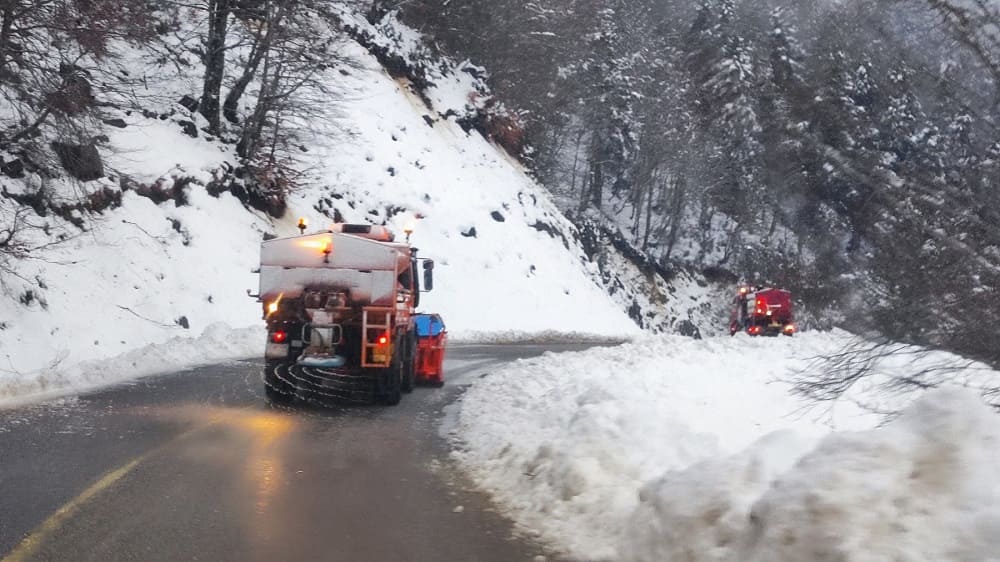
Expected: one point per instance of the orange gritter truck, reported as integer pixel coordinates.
(339, 307)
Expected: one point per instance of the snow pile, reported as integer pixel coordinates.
(675, 449)
(218, 342)
(923, 488)
(508, 337)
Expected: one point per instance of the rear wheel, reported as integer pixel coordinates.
(410, 364)
(392, 380)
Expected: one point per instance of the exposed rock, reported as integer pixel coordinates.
(547, 228)
(73, 97)
(497, 216)
(189, 103)
(189, 128)
(117, 123)
(75, 94)
(13, 169)
(470, 232)
(83, 162)
(687, 328)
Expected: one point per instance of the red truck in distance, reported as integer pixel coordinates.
(761, 311)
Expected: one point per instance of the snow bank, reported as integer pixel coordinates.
(143, 274)
(218, 342)
(923, 488)
(675, 449)
(503, 337)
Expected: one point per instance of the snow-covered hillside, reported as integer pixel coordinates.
(670, 448)
(175, 257)
(391, 158)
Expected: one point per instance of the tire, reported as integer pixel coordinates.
(392, 381)
(410, 364)
(276, 390)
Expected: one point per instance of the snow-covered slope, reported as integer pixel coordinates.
(143, 272)
(394, 159)
(681, 301)
(675, 449)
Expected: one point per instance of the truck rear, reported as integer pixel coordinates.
(762, 312)
(339, 308)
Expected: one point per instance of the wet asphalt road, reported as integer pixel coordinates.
(196, 466)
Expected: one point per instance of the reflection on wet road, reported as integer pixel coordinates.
(195, 466)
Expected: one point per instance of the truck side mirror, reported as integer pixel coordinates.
(428, 275)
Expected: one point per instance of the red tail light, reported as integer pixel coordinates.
(279, 336)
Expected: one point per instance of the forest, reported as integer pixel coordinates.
(847, 150)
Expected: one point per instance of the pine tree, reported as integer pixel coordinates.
(609, 105)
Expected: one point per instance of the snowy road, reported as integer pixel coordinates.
(194, 466)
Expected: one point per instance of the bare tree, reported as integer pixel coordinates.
(296, 55)
(13, 246)
(863, 360)
(48, 49)
(214, 58)
(263, 27)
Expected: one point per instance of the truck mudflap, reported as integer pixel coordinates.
(276, 350)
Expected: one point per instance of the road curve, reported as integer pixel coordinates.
(195, 466)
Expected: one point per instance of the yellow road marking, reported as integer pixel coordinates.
(264, 426)
(29, 546)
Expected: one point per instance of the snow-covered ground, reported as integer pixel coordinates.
(669, 448)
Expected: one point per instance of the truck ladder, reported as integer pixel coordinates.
(370, 316)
